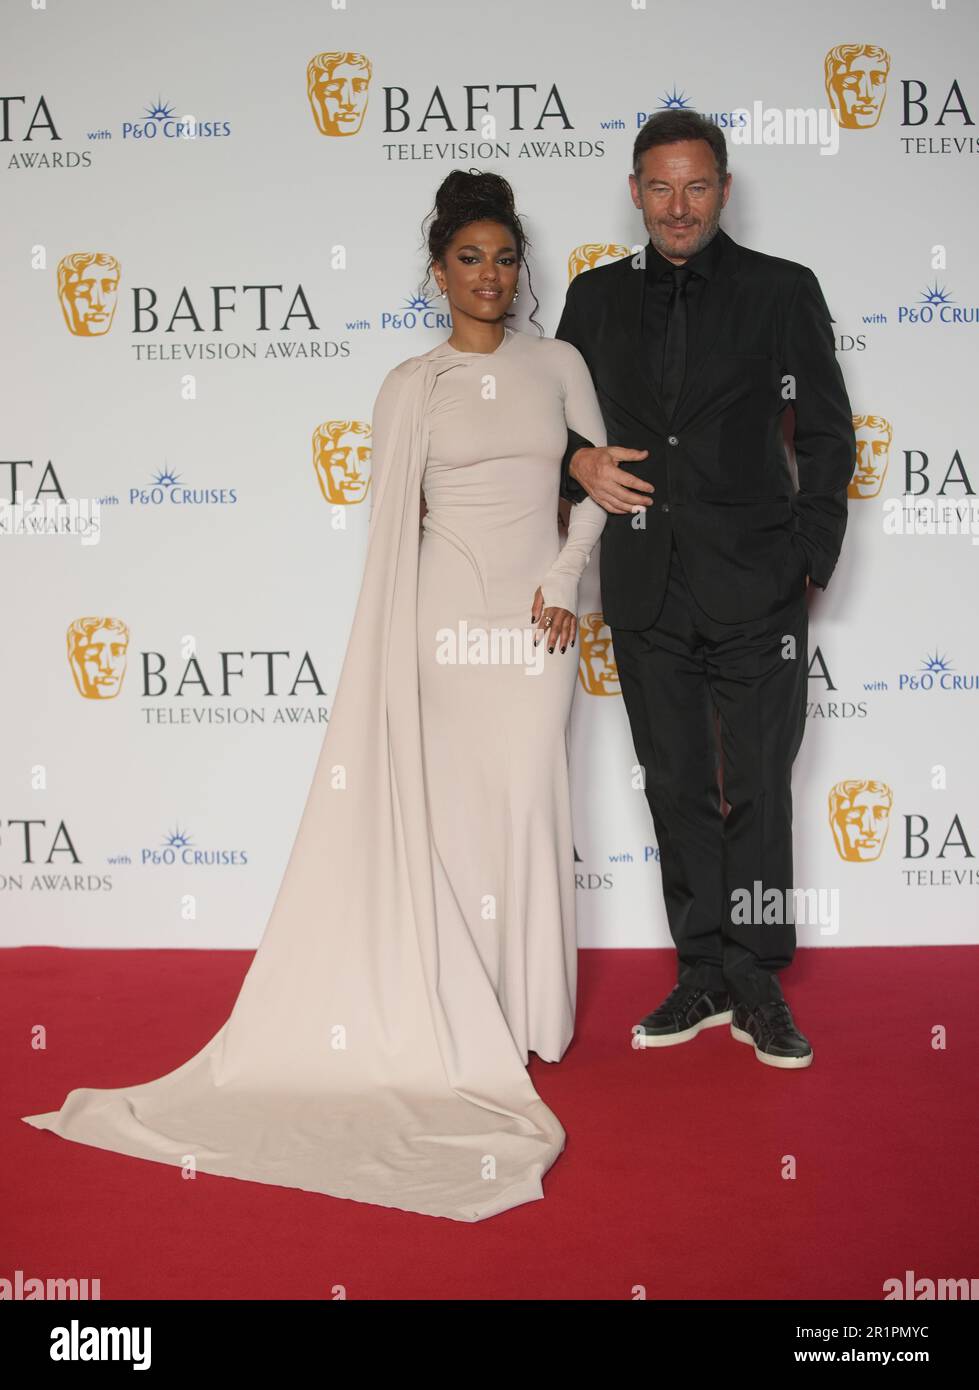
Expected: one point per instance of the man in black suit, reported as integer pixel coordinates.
(701, 351)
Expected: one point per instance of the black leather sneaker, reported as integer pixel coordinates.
(681, 1016)
(770, 1029)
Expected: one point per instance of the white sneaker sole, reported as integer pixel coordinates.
(786, 1063)
(671, 1039)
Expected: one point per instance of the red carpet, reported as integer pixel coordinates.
(672, 1177)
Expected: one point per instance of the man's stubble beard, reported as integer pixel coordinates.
(708, 232)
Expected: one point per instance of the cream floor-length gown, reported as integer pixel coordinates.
(422, 940)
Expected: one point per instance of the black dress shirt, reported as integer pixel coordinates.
(656, 300)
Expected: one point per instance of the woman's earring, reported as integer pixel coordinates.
(516, 294)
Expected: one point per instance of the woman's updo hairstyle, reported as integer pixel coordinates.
(474, 197)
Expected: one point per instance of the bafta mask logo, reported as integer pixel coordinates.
(88, 286)
(856, 83)
(874, 436)
(341, 457)
(597, 670)
(97, 650)
(859, 816)
(337, 85)
(594, 253)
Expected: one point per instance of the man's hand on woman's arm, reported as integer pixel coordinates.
(599, 473)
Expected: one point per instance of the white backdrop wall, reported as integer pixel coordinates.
(173, 423)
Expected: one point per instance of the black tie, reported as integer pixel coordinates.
(675, 349)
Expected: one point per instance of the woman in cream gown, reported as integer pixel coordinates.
(422, 941)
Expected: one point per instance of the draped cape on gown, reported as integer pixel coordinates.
(351, 1064)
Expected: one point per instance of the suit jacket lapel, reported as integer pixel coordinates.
(636, 383)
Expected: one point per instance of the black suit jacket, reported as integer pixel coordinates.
(747, 532)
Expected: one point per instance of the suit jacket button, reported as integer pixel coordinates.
(673, 440)
(665, 507)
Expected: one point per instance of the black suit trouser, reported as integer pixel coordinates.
(720, 705)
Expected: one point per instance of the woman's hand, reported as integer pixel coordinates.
(555, 625)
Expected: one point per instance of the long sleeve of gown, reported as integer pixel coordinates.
(583, 415)
(382, 427)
